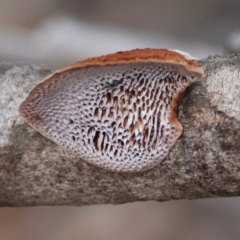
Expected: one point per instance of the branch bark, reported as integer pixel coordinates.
(205, 161)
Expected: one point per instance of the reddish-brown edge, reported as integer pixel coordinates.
(140, 55)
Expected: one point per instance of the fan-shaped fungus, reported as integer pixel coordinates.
(114, 111)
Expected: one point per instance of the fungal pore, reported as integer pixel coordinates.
(115, 111)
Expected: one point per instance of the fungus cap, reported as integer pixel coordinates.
(114, 111)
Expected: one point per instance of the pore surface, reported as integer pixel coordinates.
(118, 117)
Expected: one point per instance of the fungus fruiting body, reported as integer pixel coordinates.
(115, 111)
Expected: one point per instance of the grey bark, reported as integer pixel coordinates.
(204, 162)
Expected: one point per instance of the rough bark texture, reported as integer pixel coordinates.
(205, 161)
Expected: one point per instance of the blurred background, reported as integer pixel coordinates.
(55, 33)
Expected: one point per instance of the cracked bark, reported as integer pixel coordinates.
(204, 162)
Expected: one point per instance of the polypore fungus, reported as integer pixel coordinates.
(114, 111)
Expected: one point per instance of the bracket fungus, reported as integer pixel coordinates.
(115, 111)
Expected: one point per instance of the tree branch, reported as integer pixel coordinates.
(205, 161)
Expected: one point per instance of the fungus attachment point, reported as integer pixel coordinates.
(114, 111)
